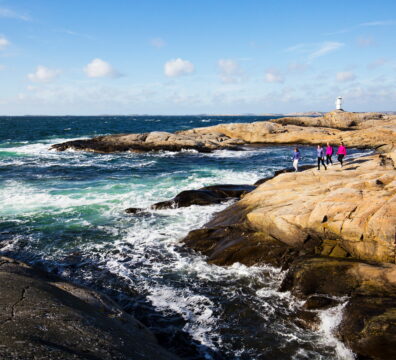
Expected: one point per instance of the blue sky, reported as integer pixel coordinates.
(191, 57)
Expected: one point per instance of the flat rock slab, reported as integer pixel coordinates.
(43, 317)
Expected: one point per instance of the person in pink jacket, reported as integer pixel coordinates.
(329, 154)
(341, 152)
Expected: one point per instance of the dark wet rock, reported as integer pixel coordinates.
(369, 318)
(43, 317)
(133, 210)
(208, 195)
(316, 302)
(306, 319)
(230, 244)
(368, 327)
(339, 277)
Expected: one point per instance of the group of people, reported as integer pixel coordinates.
(321, 154)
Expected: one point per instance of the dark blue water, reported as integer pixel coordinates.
(65, 212)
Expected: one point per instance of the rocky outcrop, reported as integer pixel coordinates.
(372, 131)
(338, 119)
(379, 133)
(207, 195)
(334, 231)
(348, 211)
(43, 317)
(154, 141)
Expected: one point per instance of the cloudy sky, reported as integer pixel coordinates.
(191, 57)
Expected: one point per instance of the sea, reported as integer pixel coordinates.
(64, 212)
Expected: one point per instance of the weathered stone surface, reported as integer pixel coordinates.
(351, 211)
(43, 317)
(207, 195)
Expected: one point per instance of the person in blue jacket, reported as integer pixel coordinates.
(296, 158)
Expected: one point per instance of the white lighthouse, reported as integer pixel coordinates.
(339, 103)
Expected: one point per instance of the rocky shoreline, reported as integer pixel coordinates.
(333, 231)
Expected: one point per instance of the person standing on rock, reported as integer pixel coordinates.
(329, 154)
(341, 152)
(296, 158)
(320, 153)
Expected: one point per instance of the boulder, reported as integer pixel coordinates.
(43, 317)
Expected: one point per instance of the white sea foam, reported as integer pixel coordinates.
(330, 319)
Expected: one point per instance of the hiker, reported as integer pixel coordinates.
(341, 152)
(320, 153)
(329, 154)
(296, 157)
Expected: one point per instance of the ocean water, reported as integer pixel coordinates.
(65, 213)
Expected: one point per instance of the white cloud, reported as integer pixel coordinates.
(178, 67)
(3, 42)
(11, 14)
(98, 68)
(326, 48)
(43, 74)
(273, 76)
(229, 71)
(2, 67)
(315, 50)
(377, 63)
(344, 76)
(366, 41)
(158, 42)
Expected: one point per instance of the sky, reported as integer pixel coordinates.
(73, 57)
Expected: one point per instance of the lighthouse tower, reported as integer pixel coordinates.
(339, 103)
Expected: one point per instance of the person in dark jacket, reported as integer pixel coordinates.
(320, 153)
